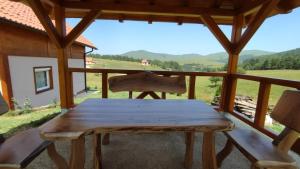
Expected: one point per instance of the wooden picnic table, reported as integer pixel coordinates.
(98, 116)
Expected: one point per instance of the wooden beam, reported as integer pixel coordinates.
(192, 84)
(82, 25)
(65, 85)
(5, 80)
(230, 83)
(262, 14)
(215, 29)
(106, 7)
(104, 85)
(252, 8)
(45, 20)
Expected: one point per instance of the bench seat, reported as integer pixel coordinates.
(257, 147)
(19, 150)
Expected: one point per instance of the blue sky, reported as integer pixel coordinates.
(278, 33)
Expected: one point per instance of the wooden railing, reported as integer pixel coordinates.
(265, 84)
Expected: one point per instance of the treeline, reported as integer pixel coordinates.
(168, 65)
(283, 60)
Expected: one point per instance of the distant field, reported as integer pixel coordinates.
(203, 89)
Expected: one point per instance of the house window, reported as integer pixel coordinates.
(43, 79)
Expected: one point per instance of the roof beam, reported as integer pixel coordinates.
(45, 20)
(82, 25)
(260, 17)
(148, 9)
(218, 33)
(248, 9)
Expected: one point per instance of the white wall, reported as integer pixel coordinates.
(22, 78)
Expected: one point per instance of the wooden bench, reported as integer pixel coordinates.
(148, 83)
(19, 150)
(260, 149)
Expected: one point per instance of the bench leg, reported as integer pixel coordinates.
(77, 159)
(224, 152)
(59, 161)
(97, 151)
(189, 150)
(105, 140)
(208, 151)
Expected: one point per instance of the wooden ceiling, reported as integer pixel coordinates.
(178, 11)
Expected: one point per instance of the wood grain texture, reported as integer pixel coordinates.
(262, 104)
(209, 160)
(133, 115)
(224, 153)
(22, 148)
(147, 81)
(287, 110)
(77, 158)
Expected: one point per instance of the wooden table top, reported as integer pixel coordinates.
(134, 115)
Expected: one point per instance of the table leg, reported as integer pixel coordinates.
(77, 159)
(59, 161)
(189, 149)
(97, 151)
(105, 140)
(208, 151)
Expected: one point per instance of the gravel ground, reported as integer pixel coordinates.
(146, 151)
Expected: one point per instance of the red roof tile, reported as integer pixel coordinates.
(22, 14)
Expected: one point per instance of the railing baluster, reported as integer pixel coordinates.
(192, 84)
(70, 99)
(104, 85)
(262, 104)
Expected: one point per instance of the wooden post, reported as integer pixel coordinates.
(5, 80)
(104, 85)
(192, 84)
(66, 95)
(262, 104)
(229, 83)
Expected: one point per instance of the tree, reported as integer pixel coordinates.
(214, 81)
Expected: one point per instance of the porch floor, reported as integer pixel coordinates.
(146, 151)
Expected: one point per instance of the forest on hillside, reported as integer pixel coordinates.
(283, 60)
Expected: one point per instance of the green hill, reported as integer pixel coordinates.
(283, 60)
(215, 59)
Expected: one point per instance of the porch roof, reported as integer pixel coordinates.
(178, 11)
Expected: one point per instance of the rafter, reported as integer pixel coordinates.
(218, 33)
(248, 9)
(147, 9)
(45, 20)
(260, 17)
(82, 25)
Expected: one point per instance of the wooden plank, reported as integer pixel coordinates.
(5, 80)
(137, 115)
(217, 32)
(192, 84)
(80, 27)
(262, 104)
(45, 20)
(104, 85)
(208, 151)
(260, 17)
(161, 10)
